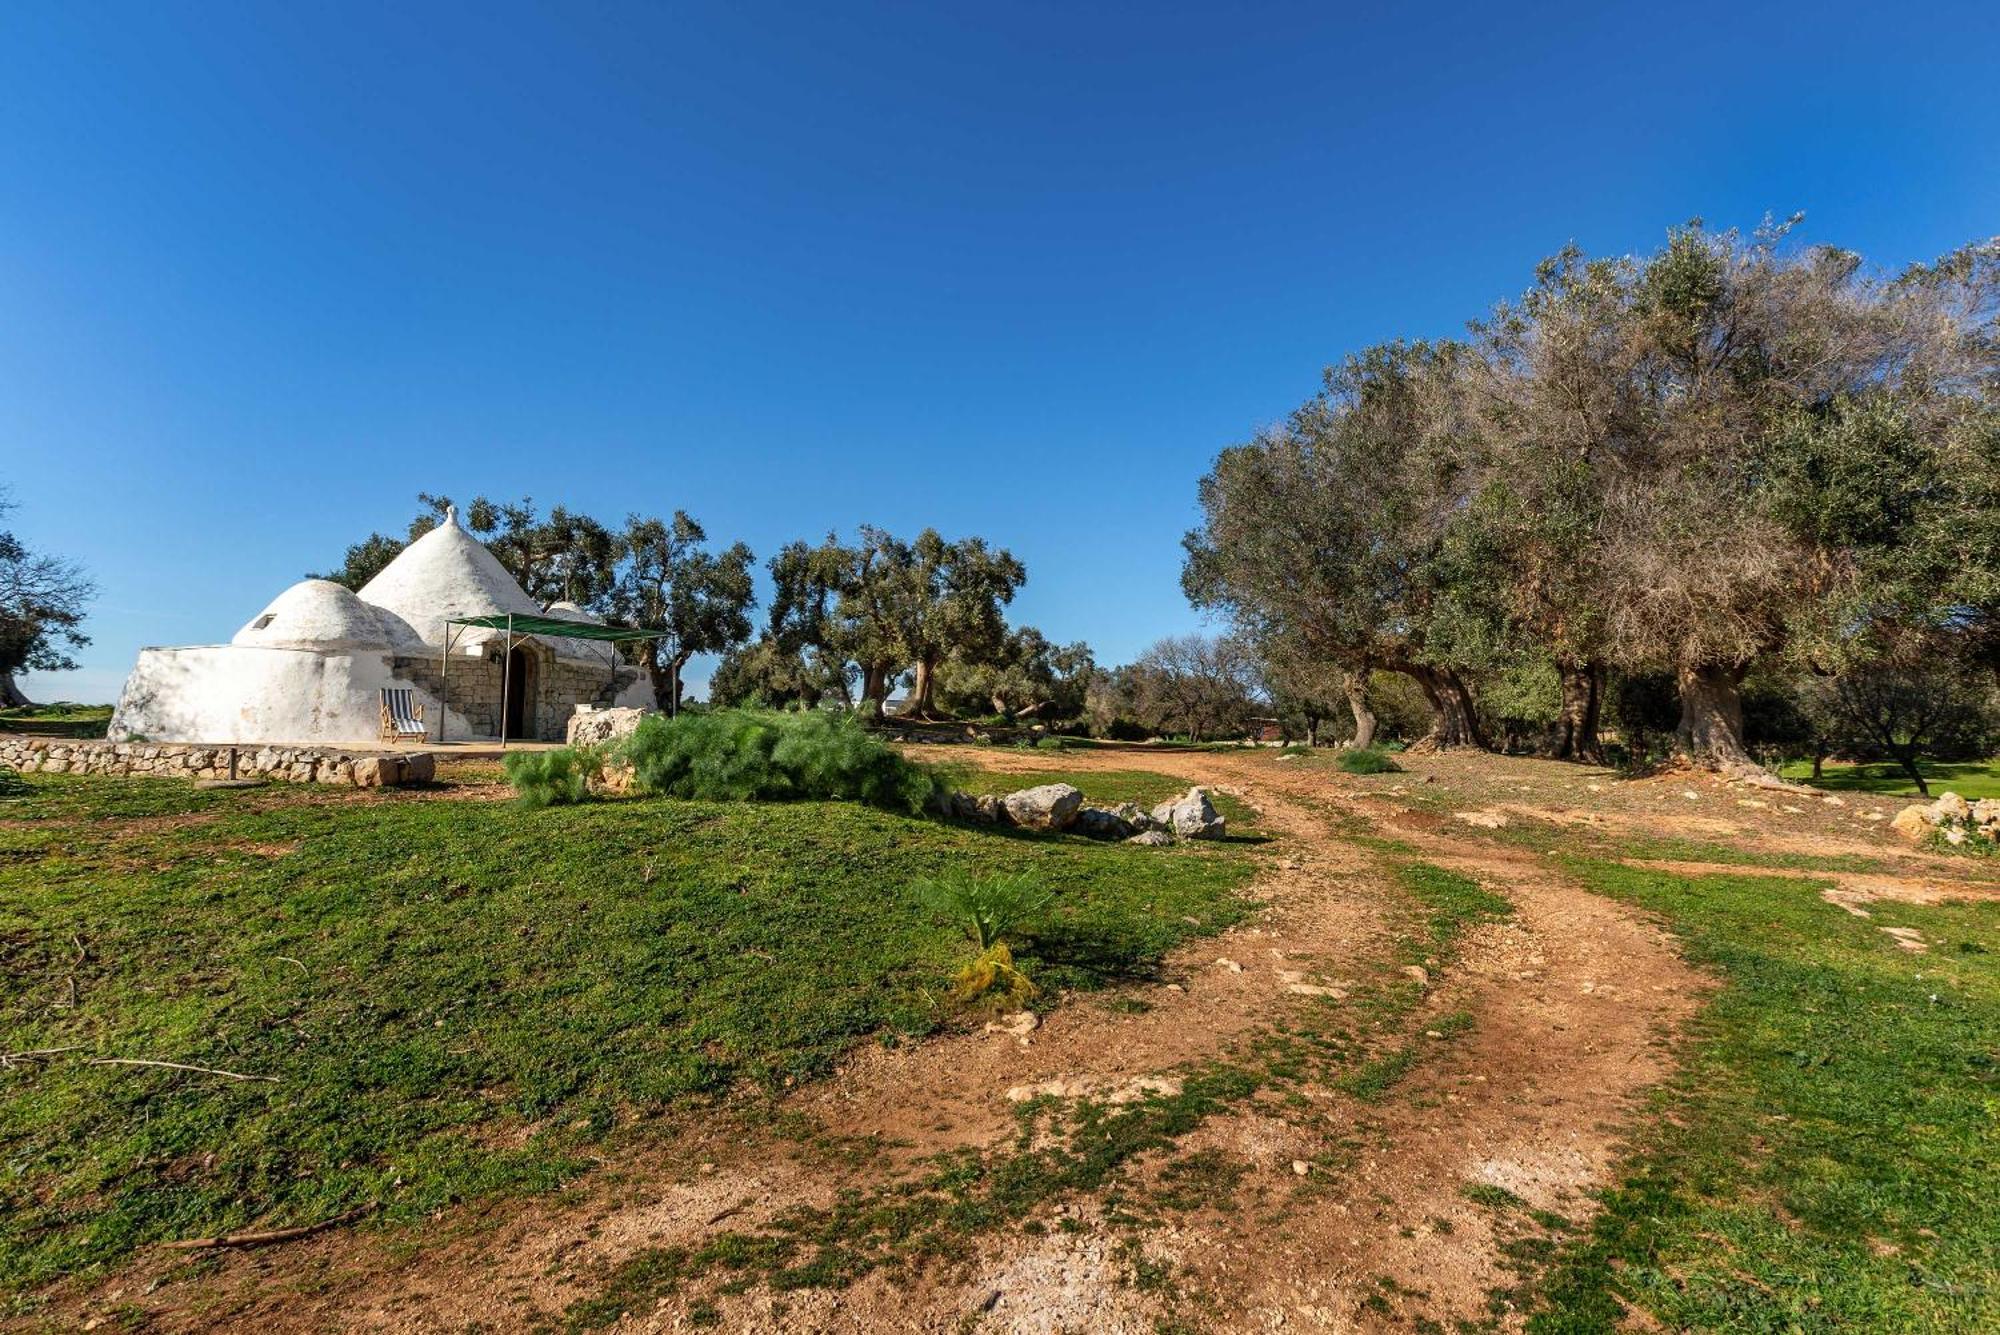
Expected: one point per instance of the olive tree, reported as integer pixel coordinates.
(671, 581)
(42, 600)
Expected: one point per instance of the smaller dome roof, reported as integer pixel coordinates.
(569, 611)
(315, 614)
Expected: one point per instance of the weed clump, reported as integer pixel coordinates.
(1366, 760)
(552, 778)
(742, 755)
(11, 782)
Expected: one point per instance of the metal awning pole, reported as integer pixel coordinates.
(444, 683)
(506, 680)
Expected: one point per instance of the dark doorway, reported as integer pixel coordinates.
(520, 707)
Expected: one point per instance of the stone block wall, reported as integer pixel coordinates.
(475, 692)
(184, 760)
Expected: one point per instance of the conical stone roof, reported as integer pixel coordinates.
(444, 574)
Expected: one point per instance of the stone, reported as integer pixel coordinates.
(1485, 820)
(377, 771)
(1151, 839)
(1097, 823)
(1016, 1026)
(594, 727)
(1951, 806)
(1912, 822)
(1191, 816)
(420, 767)
(1050, 807)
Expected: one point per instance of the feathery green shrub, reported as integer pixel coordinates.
(551, 778)
(11, 782)
(743, 755)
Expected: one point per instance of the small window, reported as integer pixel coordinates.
(263, 621)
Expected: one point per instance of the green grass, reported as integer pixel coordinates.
(460, 997)
(63, 719)
(1970, 779)
(1829, 1157)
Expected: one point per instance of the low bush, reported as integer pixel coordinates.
(552, 778)
(1052, 744)
(741, 755)
(1366, 760)
(11, 782)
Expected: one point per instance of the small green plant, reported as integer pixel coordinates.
(552, 778)
(987, 907)
(1052, 744)
(1366, 760)
(11, 782)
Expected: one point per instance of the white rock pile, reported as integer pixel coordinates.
(1952, 818)
(1055, 807)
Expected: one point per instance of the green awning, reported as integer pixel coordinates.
(559, 626)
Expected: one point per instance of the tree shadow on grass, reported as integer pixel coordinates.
(1088, 955)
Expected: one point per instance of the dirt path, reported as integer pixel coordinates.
(1568, 1008)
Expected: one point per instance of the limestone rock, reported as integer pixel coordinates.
(377, 771)
(1151, 839)
(1912, 822)
(1052, 806)
(594, 727)
(1098, 823)
(1191, 816)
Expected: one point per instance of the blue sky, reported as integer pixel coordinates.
(1020, 270)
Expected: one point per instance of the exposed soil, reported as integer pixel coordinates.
(1349, 1215)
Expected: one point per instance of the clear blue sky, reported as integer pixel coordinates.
(1014, 269)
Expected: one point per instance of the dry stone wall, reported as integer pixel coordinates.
(476, 684)
(182, 760)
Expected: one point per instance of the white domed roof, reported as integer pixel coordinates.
(444, 574)
(570, 611)
(316, 614)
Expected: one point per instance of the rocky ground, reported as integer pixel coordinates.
(1332, 1208)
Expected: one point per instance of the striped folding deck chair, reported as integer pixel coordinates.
(402, 714)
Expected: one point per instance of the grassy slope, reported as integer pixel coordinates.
(1830, 1157)
(58, 720)
(426, 977)
(1970, 779)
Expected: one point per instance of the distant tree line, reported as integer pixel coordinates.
(1737, 469)
(846, 622)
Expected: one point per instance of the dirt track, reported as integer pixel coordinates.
(1571, 1004)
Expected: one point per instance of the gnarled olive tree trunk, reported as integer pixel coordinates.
(875, 683)
(1355, 686)
(1711, 727)
(10, 693)
(1454, 721)
(921, 690)
(1574, 736)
